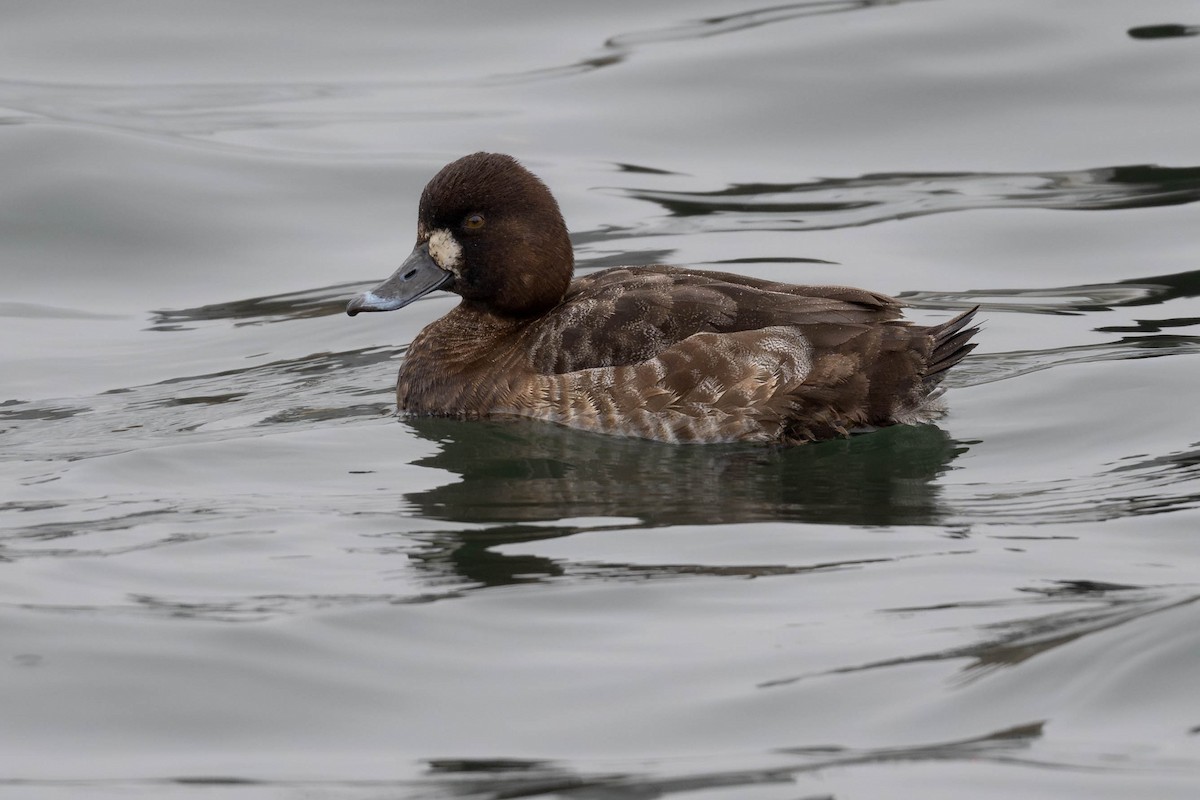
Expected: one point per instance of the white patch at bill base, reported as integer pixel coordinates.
(445, 250)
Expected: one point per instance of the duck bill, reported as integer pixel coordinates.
(417, 277)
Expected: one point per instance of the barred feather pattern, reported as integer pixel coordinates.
(684, 356)
(709, 388)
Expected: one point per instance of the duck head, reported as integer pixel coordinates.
(489, 230)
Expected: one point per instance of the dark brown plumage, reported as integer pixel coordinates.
(657, 352)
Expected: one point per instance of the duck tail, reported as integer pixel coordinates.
(951, 343)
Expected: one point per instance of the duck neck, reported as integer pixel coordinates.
(456, 359)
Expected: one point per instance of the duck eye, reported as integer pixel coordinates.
(473, 222)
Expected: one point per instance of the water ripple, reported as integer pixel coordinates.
(1167, 31)
(1085, 298)
(322, 302)
(215, 406)
(207, 113)
(618, 49)
(1010, 644)
(990, 367)
(832, 203)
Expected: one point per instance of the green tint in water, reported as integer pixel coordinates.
(226, 571)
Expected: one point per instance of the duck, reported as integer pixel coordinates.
(666, 353)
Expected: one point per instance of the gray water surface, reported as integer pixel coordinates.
(228, 571)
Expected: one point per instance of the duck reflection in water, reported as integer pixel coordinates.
(521, 471)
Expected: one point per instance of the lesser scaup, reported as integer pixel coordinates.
(657, 352)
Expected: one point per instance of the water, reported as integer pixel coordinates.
(227, 571)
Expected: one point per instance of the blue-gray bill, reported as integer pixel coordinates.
(418, 276)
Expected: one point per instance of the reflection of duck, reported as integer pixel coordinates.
(654, 352)
(519, 471)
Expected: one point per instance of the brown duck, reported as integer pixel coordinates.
(656, 352)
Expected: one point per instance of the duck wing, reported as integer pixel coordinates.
(770, 384)
(629, 315)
